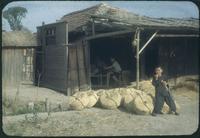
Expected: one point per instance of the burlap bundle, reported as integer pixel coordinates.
(110, 99)
(128, 100)
(81, 100)
(127, 94)
(99, 93)
(138, 102)
(143, 104)
(78, 101)
(93, 98)
(147, 87)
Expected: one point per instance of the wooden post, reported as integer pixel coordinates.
(93, 27)
(77, 66)
(137, 59)
(67, 39)
(67, 58)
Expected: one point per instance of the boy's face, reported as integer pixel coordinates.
(158, 71)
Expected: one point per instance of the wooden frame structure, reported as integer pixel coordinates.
(73, 47)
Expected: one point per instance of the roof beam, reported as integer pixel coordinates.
(18, 47)
(108, 34)
(177, 35)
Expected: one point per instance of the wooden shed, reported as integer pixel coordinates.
(18, 58)
(77, 40)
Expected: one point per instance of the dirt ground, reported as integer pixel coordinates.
(102, 122)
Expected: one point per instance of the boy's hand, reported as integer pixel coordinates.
(164, 82)
(156, 76)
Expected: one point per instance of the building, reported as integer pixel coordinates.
(71, 45)
(18, 58)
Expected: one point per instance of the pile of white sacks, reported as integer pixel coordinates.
(135, 101)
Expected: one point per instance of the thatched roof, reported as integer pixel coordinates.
(18, 38)
(112, 16)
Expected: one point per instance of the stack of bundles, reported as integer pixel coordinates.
(147, 87)
(81, 100)
(138, 102)
(110, 99)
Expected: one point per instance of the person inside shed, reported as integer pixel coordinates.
(162, 93)
(114, 70)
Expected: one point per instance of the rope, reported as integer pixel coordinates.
(109, 97)
(93, 94)
(144, 102)
(79, 100)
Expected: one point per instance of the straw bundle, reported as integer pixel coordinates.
(138, 102)
(93, 98)
(127, 95)
(110, 99)
(78, 101)
(143, 104)
(128, 101)
(147, 87)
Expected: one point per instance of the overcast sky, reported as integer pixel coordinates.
(51, 11)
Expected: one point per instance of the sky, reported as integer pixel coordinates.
(50, 11)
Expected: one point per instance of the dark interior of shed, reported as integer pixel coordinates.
(176, 55)
(118, 47)
(180, 56)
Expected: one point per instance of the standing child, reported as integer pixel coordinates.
(162, 93)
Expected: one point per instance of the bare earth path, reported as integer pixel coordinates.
(101, 122)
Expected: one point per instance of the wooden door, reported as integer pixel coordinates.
(78, 67)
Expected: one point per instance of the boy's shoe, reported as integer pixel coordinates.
(176, 113)
(153, 114)
(172, 112)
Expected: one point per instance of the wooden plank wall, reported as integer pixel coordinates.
(55, 68)
(73, 79)
(82, 71)
(78, 72)
(86, 47)
(12, 65)
(52, 60)
(64, 67)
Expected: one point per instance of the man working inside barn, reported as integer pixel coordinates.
(162, 93)
(114, 71)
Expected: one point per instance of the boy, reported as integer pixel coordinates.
(162, 93)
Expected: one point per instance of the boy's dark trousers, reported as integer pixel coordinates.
(160, 98)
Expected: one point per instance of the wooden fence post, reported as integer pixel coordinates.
(137, 58)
